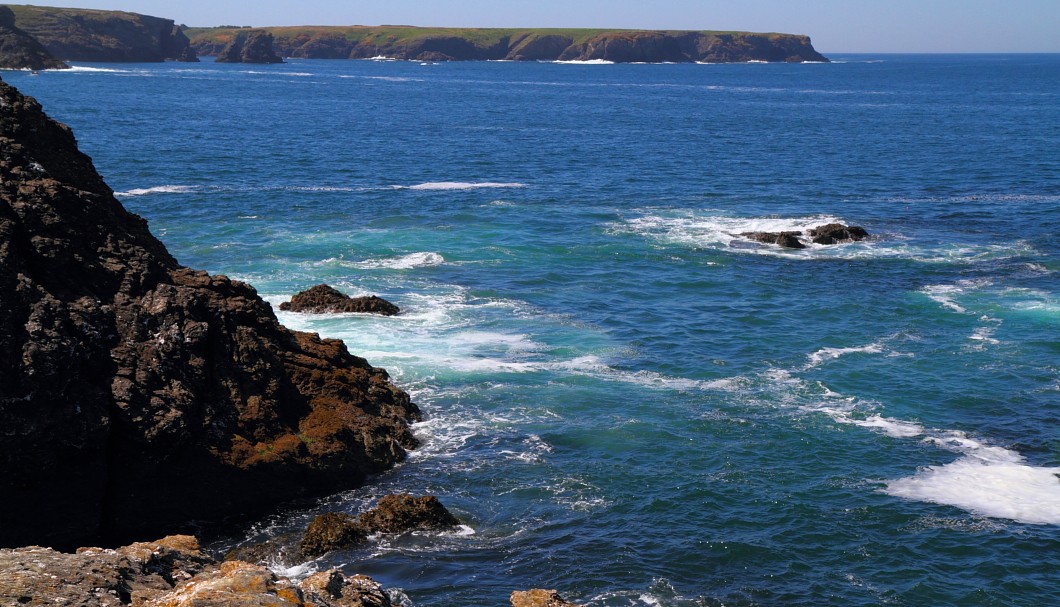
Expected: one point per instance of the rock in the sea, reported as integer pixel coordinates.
(339, 590)
(136, 394)
(398, 513)
(250, 46)
(539, 598)
(331, 531)
(835, 233)
(395, 513)
(21, 51)
(323, 299)
(789, 240)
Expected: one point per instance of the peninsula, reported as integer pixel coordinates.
(471, 44)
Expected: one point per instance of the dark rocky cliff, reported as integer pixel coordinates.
(456, 44)
(137, 394)
(19, 50)
(107, 36)
(249, 46)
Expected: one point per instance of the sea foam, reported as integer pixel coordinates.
(987, 480)
(458, 185)
(162, 189)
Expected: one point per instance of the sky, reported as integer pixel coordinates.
(851, 26)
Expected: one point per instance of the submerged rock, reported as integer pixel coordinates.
(539, 598)
(789, 240)
(136, 394)
(323, 299)
(253, 46)
(836, 233)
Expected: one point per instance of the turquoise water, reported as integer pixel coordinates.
(623, 400)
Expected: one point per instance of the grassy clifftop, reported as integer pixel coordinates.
(98, 35)
(427, 43)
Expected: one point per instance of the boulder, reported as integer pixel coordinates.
(136, 394)
(788, 240)
(400, 513)
(323, 299)
(835, 233)
(250, 46)
(331, 531)
(539, 598)
(342, 591)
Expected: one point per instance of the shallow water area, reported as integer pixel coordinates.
(625, 399)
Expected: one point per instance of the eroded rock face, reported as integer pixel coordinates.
(252, 46)
(19, 50)
(137, 394)
(323, 299)
(539, 598)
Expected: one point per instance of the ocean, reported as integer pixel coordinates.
(624, 399)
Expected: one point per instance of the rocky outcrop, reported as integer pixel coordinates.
(788, 240)
(323, 299)
(19, 50)
(832, 233)
(394, 514)
(539, 598)
(454, 44)
(111, 36)
(835, 233)
(171, 572)
(137, 394)
(249, 46)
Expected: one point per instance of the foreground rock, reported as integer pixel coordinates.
(433, 44)
(137, 394)
(539, 598)
(111, 36)
(171, 572)
(394, 514)
(19, 50)
(323, 299)
(250, 46)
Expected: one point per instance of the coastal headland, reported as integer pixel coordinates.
(474, 44)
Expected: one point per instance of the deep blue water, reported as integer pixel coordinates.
(624, 401)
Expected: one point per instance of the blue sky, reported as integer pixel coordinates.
(958, 26)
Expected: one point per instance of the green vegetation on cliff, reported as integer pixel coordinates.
(457, 44)
(98, 35)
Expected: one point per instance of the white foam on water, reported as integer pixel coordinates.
(895, 428)
(105, 70)
(404, 262)
(721, 231)
(584, 62)
(988, 480)
(945, 295)
(827, 354)
(984, 335)
(161, 189)
(458, 185)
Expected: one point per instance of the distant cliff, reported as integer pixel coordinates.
(109, 36)
(249, 46)
(19, 50)
(454, 44)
